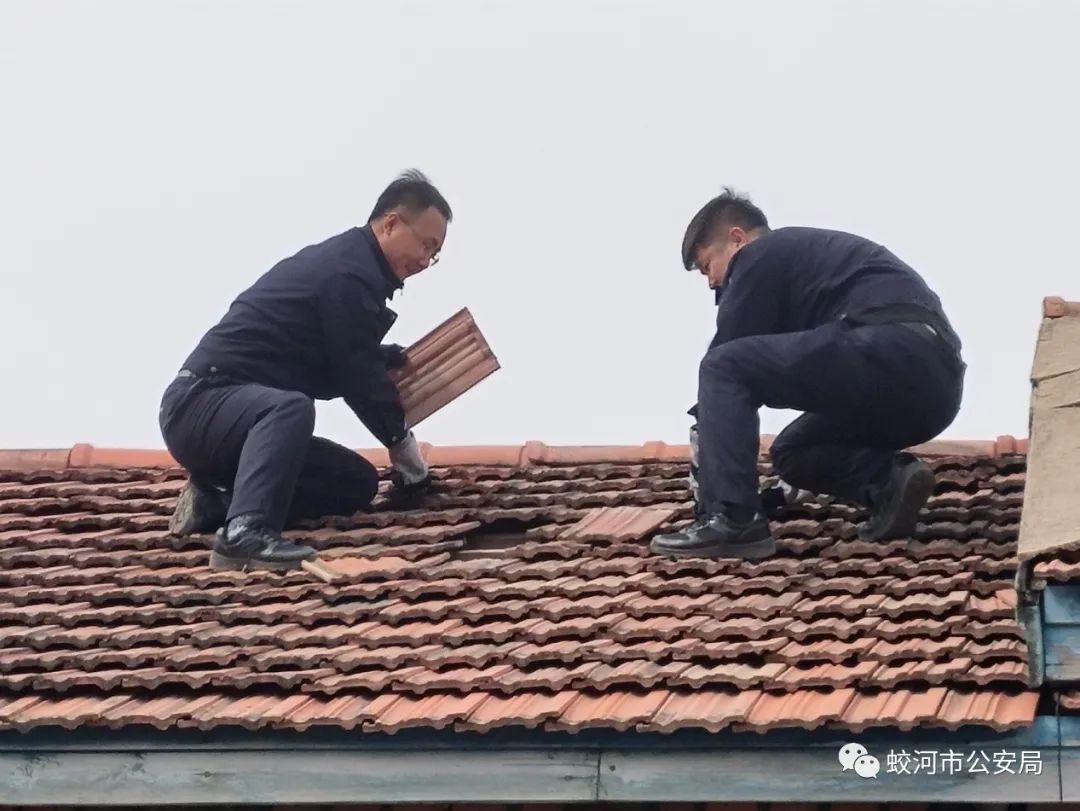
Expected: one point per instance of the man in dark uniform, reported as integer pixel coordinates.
(240, 414)
(830, 324)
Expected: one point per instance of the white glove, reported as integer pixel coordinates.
(408, 462)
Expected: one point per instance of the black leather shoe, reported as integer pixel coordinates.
(896, 506)
(198, 509)
(246, 544)
(718, 537)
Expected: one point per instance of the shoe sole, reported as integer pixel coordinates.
(182, 521)
(225, 563)
(911, 496)
(754, 550)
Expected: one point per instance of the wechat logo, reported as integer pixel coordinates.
(853, 756)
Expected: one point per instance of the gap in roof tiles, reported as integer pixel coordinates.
(502, 537)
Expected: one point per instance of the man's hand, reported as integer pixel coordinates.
(408, 462)
(393, 355)
(407, 496)
(410, 476)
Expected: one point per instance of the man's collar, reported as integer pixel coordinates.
(392, 281)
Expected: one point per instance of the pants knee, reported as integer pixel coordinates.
(366, 483)
(342, 474)
(720, 363)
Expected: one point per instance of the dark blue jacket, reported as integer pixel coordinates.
(313, 323)
(795, 279)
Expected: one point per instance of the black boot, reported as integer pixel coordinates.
(246, 544)
(895, 504)
(717, 536)
(199, 509)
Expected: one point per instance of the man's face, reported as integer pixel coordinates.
(713, 260)
(411, 242)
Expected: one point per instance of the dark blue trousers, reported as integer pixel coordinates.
(867, 392)
(256, 442)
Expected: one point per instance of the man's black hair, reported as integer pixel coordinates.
(720, 213)
(414, 192)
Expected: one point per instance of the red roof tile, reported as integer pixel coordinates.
(1069, 700)
(712, 709)
(442, 366)
(803, 708)
(617, 524)
(1000, 710)
(906, 709)
(1060, 570)
(895, 673)
(611, 709)
(437, 711)
(521, 709)
(106, 620)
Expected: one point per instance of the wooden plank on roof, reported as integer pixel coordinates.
(815, 775)
(281, 777)
(1050, 521)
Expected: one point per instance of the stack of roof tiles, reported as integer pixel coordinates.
(523, 594)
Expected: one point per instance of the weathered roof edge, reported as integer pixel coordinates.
(1049, 520)
(531, 453)
(526, 768)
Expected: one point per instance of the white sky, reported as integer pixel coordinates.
(157, 157)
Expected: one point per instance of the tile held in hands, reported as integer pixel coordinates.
(442, 366)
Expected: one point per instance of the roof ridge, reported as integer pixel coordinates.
(530, 453)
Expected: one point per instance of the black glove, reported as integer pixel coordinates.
(407, 496)
(778, 498)
(773, 502)
(393, 355)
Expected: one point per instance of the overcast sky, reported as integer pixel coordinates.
(157, 157)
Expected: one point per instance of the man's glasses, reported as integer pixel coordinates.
(434, 258)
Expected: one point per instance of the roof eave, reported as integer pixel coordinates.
(149, 768)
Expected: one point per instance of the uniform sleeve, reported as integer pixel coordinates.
(349, 323)
(753, 297)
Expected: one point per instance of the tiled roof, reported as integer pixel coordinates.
(523, 594)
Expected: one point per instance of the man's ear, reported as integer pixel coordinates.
(389, 222)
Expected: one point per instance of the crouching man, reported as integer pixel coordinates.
(829, 324)
(240, 414)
